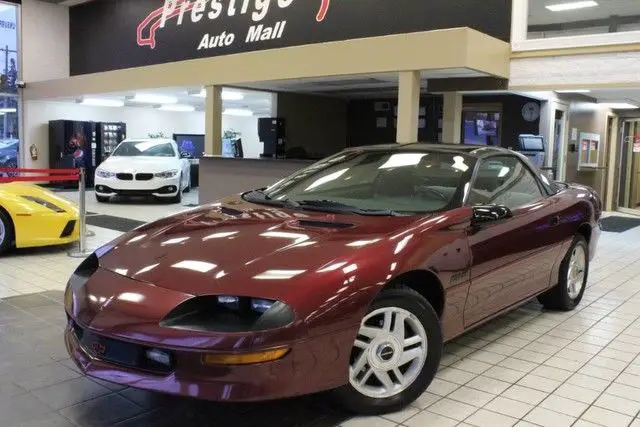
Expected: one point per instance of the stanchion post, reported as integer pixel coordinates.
(83, 211)
(82, 220)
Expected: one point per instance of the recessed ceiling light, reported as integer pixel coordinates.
(619, 105)
(573, 91)
(227, 95)
(8, 110)
(562, 7)
(102, 102)
(177, 107)
(149, 98)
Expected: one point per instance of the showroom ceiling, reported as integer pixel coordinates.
(631, 96)
(540, 15)
(258, 102)
(358, 86)
(67, 2)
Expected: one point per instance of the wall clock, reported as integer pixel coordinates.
(531, 111)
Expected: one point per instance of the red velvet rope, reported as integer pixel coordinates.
(44, 178)
(56, 175)
(49, 171)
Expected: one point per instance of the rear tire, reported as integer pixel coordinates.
(7, 234)
(572, 281)
(395, 355)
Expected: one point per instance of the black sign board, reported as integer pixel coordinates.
(115, 34)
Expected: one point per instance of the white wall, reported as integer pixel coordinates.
(45, 41)
(248, 129)
(140, 122)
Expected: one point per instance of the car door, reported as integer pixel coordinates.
(512, 258)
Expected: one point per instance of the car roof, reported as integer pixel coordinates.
(471, 150)
(159, 140)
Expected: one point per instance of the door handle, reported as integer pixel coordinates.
(555, 221)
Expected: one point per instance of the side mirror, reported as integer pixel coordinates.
(489, 213)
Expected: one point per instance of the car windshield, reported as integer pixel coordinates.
(375, 182)
(145, 148)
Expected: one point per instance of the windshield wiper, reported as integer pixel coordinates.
(338, 207)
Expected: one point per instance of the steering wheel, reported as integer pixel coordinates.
(438, 194)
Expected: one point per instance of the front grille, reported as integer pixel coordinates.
(68, 229)
(144, 177)
(118, 352)
(125, 176)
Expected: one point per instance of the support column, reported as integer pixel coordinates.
(452, 118)
(213, 118)
(408, 106)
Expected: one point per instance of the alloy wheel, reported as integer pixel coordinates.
(576, 271)
(388, 354)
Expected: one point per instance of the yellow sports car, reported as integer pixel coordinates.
(31, 216)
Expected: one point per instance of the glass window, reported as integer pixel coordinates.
(564, 18)
(506, 181)
(145, 148)
(9, 124)
(405, 182)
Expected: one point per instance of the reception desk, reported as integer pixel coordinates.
(222, 176)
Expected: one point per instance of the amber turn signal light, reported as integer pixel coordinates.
(217, 359)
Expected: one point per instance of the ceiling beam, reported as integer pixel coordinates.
(467, 84)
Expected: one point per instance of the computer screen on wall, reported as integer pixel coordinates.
(190, 144)
(531, 143)
(481, 128)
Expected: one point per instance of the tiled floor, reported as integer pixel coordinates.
(528, 368)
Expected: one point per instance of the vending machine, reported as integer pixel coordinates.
(108, 136)
(72, 144)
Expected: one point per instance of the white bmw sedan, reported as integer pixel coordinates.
(144, 167)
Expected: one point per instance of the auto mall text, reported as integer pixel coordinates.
(197, 10)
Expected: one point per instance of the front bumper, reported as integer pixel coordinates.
(96, 305)
(46, 229)
(157, 187)
(312, 365)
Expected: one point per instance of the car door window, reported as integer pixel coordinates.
(506, 181)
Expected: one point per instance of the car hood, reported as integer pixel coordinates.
(239, 248)
(11, 197)
(133, 164)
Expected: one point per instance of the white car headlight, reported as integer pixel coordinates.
(105, 174)
(166, 174)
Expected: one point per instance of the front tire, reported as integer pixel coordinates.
(7, 234)
(178, 197)
(395, 355)
(102, 199)
(574, 271)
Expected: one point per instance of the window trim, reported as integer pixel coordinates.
(543, 191)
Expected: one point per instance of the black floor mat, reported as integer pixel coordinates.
(619, 224)
(113, 222)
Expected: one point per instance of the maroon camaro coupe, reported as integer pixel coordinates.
(348, 276)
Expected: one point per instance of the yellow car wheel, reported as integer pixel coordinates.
(6, 232)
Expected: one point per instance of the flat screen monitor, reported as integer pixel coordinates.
(190, 145)
(531, 143)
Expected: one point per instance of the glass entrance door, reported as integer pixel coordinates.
(629, 166)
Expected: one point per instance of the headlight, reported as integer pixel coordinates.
(228, 313)
(256, 304)
(105, 174)
(166, 174)
(44, 203)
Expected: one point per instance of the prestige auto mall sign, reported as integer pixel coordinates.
(183, 12)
